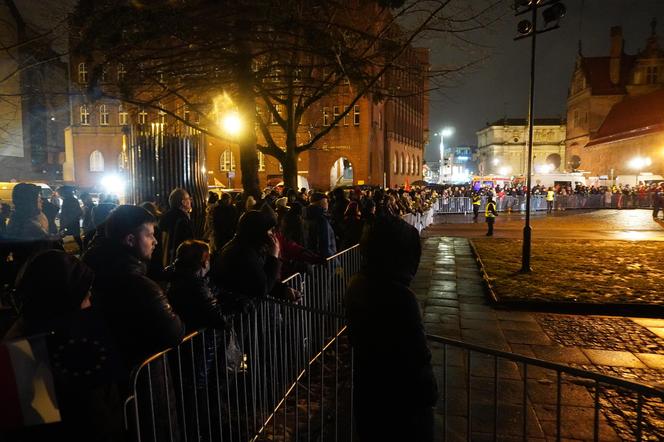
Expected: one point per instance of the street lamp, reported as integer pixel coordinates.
(528, 29)
(445, 132)
(231, 123)
(638, 164)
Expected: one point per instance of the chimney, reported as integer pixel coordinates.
(616, 54)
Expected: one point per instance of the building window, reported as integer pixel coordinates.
(142, 117)
(96, 161)
(227, 161)
(122, 116)
(103, 74)
(408, 165)
(82, 73)
(273, 115)
(185, 112)
(261, 161)
(335, 112)
(326, 116)
(85, 115)
(417, 166)
(652, 74)
(121, 72)
(122, 162)
(576, 118)
(380, 119)
(396, 163)
(356, 115)
(103, 115)
(401, 161)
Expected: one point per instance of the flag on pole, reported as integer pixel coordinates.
(26, 384)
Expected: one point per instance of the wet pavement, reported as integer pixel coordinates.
(631, 225)
(449, 288)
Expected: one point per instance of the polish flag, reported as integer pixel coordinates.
(27, 389)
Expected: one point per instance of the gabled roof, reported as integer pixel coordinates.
(596, 70)
(632, 117)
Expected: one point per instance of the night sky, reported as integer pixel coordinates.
(498, 86)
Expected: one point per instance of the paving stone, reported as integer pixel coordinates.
(443, 302)
(614, 358)
(659, 331)
(476, 315)
(485, 325)
(518, 325)
(442, 310)
(564, 355)
(574, 424)
(652, 360)
(649, 322)
(526, 337)
(510, 315)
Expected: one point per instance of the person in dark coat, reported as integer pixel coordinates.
(319, 236)
(395, 388)
(224, 222)
(87, 224)
(70, 215)
(135, 308)
(248, 267)
(352, 226)
(54, 289)
(175, 226)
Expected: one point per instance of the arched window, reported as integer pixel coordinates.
(103, 115)
(122, 115)
(396, 163)
(96, 161)
(82, 73)
(85, 115)
(408, 171)
(417, 165)
(121, 72)
(227, 161)
(261, 161)
(401, 161)
(122, 163)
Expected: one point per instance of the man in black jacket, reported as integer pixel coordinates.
(175, 226)
(136, 310)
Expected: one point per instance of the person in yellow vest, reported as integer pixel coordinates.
(490, 214)
(476, 205)
(550, 195)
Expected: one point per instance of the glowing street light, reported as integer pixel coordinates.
(231, 123)
(444, 132)
(639, 163)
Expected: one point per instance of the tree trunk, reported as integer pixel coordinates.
(247, 107)
(289, 164)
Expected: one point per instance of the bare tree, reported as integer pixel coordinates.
(277, 60)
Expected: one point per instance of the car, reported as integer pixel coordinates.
(6, 189)
(220, 190)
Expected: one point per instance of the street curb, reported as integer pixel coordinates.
(584, 308)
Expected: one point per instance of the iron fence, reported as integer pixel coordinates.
(489, 394)
(463, 205)
(419, 220)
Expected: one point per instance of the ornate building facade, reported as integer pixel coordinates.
(502, 146)
(615, 109)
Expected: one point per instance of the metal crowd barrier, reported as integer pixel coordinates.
(420, 220)
(489, 394)
(279, 370)
(463, 205)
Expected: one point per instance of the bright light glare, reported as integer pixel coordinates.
(446, 132)
(504, 171)
(113, 184)
(544, 168)
(496, 161)
(639, 163)
(232, 123)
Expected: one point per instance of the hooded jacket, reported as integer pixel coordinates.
(318, 233)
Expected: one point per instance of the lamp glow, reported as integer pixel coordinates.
(231, 123)
(639, 163)
(113, 184)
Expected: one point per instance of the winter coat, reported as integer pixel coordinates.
(224, 223)
(70, 215)
(319, 236)
(192, 300)
(244, 272)
(176, 228)
(139, 317)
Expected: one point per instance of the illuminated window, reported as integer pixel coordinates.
(96, 161)
(161, 113)
(356, 115)
(395, 163)
(335, 112)
(185, 112)
(227, 161)
(82, 73)
(103, 115)
(273, 115)
(326, 116)
(401, 161)
(121, 72)
(408, 165)
(85, 115)
(345, 116)
(261, 161)
(142, 117)
(122, 161)
(122, 116)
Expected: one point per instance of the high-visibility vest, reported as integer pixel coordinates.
(550, 195)
(476, 201)
(488, 211)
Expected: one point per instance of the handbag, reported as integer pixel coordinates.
(234, 354)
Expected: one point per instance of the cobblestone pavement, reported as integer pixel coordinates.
(449, 289)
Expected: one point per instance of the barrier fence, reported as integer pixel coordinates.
(457, 205)
(283, 372)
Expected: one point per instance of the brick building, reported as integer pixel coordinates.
(614, 109)
(380, 140)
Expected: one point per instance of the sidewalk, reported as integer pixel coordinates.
(449, 288)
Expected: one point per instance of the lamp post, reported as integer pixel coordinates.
(528, 29)
(445, 132)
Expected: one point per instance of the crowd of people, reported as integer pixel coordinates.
(147, 275)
